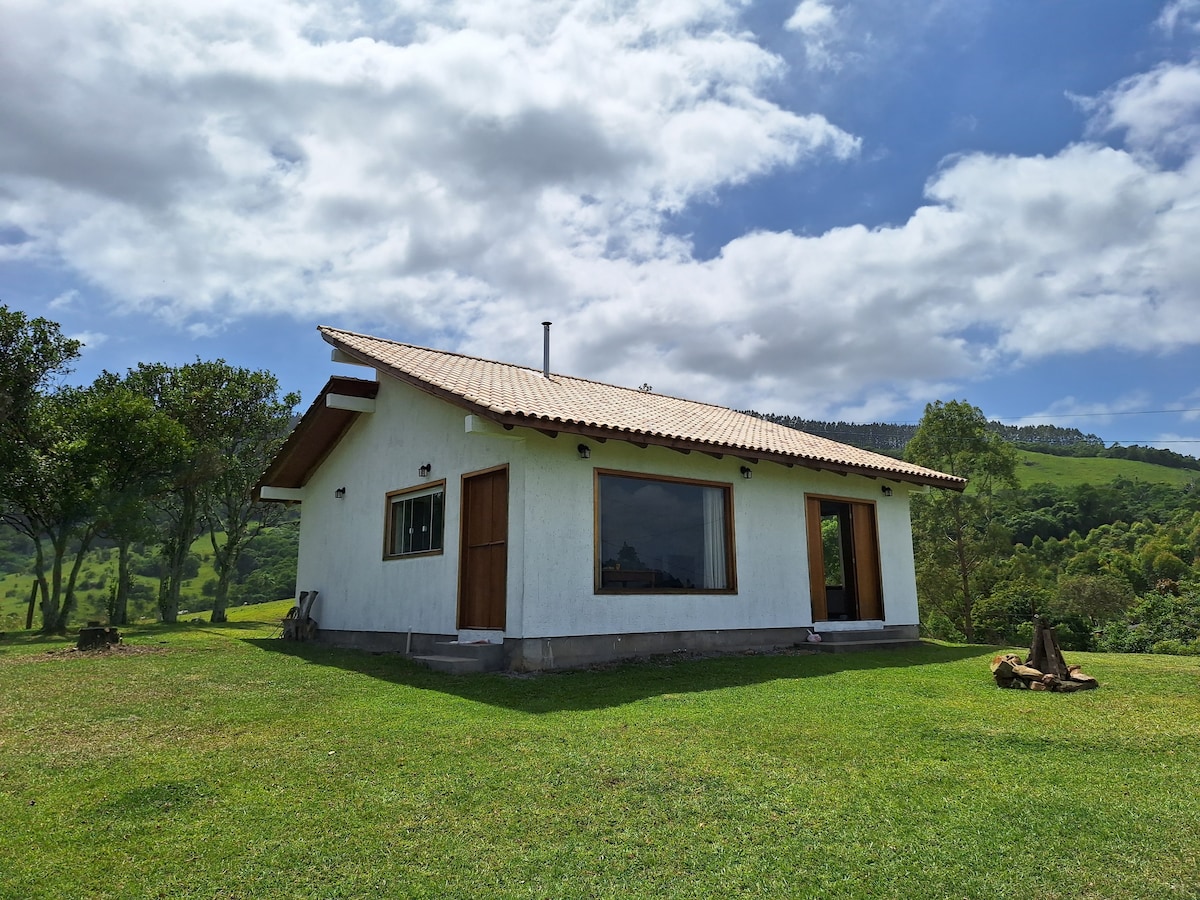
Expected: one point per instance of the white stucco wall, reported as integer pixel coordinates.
(551, 524)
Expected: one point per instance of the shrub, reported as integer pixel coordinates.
(1177, 648)
(938, 626)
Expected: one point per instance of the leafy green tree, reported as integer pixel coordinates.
(1000, 615)
(145, 449)
(956, 535)
(71, 476)
(233, 516)
(33, 352)
(1095, 598)
(235, 420)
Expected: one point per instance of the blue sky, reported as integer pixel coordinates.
(828, 209)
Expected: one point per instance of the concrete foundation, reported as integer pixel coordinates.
(574, 651)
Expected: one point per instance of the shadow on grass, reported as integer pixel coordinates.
(617, 684)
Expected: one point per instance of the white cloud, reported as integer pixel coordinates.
(1085, 415)
(1158, 111)
(816, 22)
(65, 300)
(1188, 445)
(208, 162)
(812, 17)
(1181, 15)
(441, 172)
(90, 339)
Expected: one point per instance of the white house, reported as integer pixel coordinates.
(454, 499)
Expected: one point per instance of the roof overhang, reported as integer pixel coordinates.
(340, 402)
(554, 427)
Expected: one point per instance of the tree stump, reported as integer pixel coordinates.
(97, 637)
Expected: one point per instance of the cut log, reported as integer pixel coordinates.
(1002, 666)
(1044, 652)
(1028, 672)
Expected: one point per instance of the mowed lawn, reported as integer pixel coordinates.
(216, 762)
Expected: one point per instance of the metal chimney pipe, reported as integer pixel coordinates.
(546, 349)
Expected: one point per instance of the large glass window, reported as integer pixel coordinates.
(415, 521)
(660, 534)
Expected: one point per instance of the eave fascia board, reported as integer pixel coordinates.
(353, 404)
(338, 355)
(476, 424)
(281, 494)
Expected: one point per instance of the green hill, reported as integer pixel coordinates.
(1068, 471)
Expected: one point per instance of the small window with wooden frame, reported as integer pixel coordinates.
(661, 535)
(415, 522)
(843, 559)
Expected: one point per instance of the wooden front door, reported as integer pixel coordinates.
(483, 572)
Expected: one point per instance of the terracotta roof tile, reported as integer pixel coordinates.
(521, 395)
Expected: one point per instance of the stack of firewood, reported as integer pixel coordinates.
(1045, 670)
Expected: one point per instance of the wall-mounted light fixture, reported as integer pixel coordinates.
(340, 493)
(746, 473)
(425, 470)
(887, 491)
(585, 452)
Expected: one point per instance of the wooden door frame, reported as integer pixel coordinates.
(867, 562)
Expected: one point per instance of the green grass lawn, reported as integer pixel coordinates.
(212, 761)
(1067, 471)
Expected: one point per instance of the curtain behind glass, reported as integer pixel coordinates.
(714, 538)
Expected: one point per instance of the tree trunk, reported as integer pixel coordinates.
(120, 612)
(226, 562)
(220, 596)
(32, 604)
(69, 598)
(964, 574)
(175, 553)
(52, 592)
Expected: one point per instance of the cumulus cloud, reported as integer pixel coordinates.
(1180, 15)
(816, 22)
(89, 339)
(442, 173)
(65, 300)
(284, 157)
(1158, 111)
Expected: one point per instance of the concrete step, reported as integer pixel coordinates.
(456, 658)
(491, 655)
(453, 665)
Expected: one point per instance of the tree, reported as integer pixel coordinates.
(145, 449)
(235, 421)
(233, 516)
(956, 535)
(32, 353)
(84, 448)
(1097, 598)
(33, 449)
